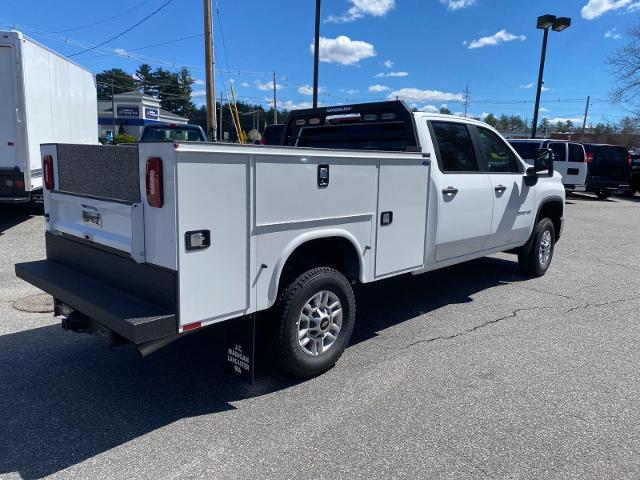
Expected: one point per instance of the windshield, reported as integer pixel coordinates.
(170, 134)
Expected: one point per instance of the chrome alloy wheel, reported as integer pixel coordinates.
(319, 323)
(544, 251)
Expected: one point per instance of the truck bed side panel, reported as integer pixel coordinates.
(212, 195)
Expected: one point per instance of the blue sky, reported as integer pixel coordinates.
(423, 51)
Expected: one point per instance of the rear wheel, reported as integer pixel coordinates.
(536, 262)
(629, 192)
(317, 315)
(603, 194)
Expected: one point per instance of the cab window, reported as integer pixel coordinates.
(497, 155)
(576, 153)
(455, 147)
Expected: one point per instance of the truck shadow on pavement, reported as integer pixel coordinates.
(66, 398)
(12, 215)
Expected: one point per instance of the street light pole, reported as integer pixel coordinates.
(316, 56)
(557, 24)
(540, 81)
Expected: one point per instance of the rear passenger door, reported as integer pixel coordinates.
(512, 199)
(576, 165)
(464, 192)
(560, 158)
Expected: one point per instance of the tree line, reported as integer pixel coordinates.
(174, 90)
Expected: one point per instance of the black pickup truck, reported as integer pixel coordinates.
(608, 169)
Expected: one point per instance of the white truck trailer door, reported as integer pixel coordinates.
(212, 199)
(402, 215)
(8, 116)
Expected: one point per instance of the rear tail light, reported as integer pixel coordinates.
(263, 140)
(47, 171)
(589, 157)
(155, 196)
(629, 160)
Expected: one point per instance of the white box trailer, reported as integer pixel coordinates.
(147, 243)
(44, 97)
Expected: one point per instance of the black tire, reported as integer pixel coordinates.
(291, 357)
(603, 194)
(531, 263)
(629, 192)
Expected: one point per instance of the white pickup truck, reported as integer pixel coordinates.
(146, 244)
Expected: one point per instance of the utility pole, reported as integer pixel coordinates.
(467, 100)
(220, 129)
(275, 99)
(113, 114)
(316, 56)
(209, 67)
(584, 122)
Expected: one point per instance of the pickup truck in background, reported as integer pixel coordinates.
(173, 133)
(179, 236)
(610, 169)
(44, 97)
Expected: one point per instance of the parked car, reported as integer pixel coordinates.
(609, 169)
(568, 159)
(181, 236)
(173, 133)
(272, 134)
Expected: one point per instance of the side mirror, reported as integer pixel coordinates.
(544, 161)
(531, 177)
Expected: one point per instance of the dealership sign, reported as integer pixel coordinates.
(151, 113)
(128, 111)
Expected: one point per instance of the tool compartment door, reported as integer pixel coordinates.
(402, 216)
(212, 196)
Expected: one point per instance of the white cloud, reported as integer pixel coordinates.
(289, 104)
(389, 64)
(362, 8)
(612, 34)
(379, 88)
(308, 90)
(121, 51)
(245, 84)
(198, 93)
(595, 8)
(417, 95)
(497, 38)
(542, 109)
(351, 91)
(391, 74)
(267, 87)
(564, 120)
(343, 50)
(198, 82)
(458, 4)
(429, 109)
(528, 85)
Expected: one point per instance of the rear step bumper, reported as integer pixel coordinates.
(134, 319)
(136, 301)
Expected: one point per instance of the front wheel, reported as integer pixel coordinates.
(537, 261)
(317, 315)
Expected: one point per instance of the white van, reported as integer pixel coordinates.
(569, 159)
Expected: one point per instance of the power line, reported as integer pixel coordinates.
(124, 31)
(104, 20)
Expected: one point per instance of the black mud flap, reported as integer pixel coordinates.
(240, 348)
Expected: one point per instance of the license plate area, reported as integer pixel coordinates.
(92, 218)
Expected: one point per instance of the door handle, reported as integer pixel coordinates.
(450, 191)
(500, 189)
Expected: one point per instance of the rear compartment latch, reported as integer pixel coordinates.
(197, 240)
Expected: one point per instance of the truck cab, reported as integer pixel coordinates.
(176, 236)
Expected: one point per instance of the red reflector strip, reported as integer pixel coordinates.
(192, 326)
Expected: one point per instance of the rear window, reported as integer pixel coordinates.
(610, 155)
(526, 150)
(389, 136)
(559, 151)
(576, 153)
(170, 134)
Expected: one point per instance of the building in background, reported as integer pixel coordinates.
(133, 110)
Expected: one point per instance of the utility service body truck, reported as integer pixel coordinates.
(44, 97)
(179, 236)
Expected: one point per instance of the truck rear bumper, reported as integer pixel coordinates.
(114, 291)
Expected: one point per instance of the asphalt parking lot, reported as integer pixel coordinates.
(469, 372)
